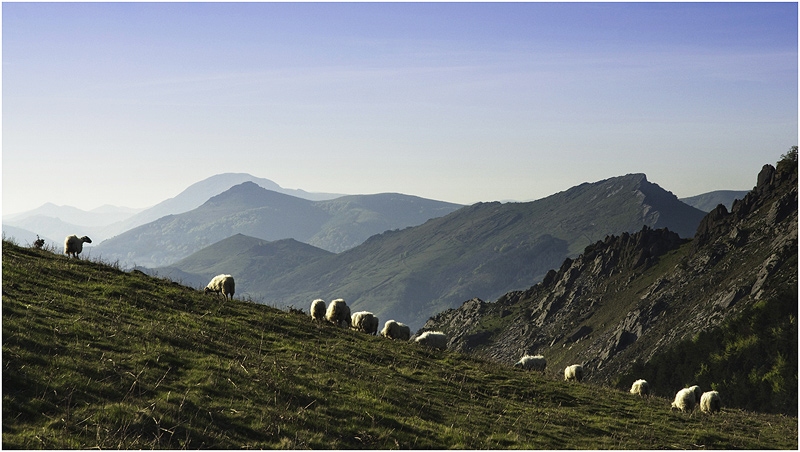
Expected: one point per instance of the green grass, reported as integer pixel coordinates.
(94, 357)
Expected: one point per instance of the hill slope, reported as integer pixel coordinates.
(246, 257)
(251, 210)
(483, 250)
(94, 357)
(709, 201)
(631, 298)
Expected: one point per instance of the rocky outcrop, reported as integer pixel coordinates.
(539, 317)
(632, 296)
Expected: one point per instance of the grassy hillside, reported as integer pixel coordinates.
(94, 357)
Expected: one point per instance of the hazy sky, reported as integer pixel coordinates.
(130, 103)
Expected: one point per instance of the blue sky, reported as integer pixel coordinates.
(130, 103)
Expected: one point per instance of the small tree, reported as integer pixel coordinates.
(788, 161)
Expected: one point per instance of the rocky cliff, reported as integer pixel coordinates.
(630, 297)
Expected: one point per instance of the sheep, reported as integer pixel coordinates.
(698, 393)
(435, 339)
(529, 362)
(364, 321)
(396, 330)
(74, 245)
(39, 243)
(640, 387)
(338, 312)
(318, 309)
(710, 402)
(685, 400)
(372, 327)
(222, 284)
(573, 372)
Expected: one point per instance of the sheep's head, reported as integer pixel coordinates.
(208, 290)
(86, 239)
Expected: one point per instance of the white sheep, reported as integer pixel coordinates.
(710, 402)
(573, 372)
(318, 309)
(396, 330)
(364, 321)
(338, 312)
(529, 362)
(74, 245)
(640, 387)
(222, 284)
(685, 400)
(435, 339)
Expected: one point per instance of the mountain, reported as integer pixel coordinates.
(51, 220)
(98, 358)
(483, 250)
(246, 257)
(198, 193)
(719, 310)
(108, 221)
(251, 210)
(101, 216)
(24, 237)
(709, 201)
(46, 227)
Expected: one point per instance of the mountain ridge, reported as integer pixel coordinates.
(252, 210)
(622, 301)
(484, 249)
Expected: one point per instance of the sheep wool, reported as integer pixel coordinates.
(698, 393)
(396, 330)
(318, 309)
(573, 372)
(74, 245)
(710, 402)
(362, 321)
(685, 400)
(529, 362)
(372, 327)
(222, 284)
(640, 387)
(338, 312)
(435, 339)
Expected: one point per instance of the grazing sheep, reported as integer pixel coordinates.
(685, 400)
(372, 326)
(396, 330)
(573, 372)
(222, 284)
(338, 312)
(318, 309)
(363, 321)
(698, 393)
(39, 243)
(710, 402)
(640, 387)
(529, 362)
(74, 245)
(435, 339)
